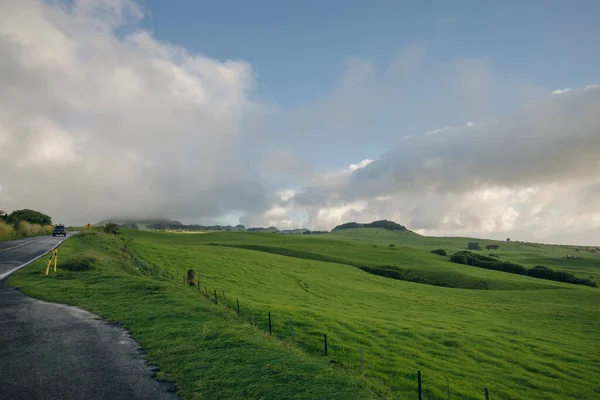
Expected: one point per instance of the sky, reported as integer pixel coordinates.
(450, 117)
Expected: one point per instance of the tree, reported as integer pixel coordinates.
(2, 214)
(492, 247)
(474, 246)
(111, 227)
(31, 216)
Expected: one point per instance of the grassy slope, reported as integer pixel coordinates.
(527, 254)
(521, 343)
(207, 350)
(411, 253)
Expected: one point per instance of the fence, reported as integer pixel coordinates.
(266, 323)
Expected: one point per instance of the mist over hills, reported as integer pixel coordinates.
(174, 225)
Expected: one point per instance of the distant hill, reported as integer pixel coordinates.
(384, 224)
(270, 229)
(138, 223)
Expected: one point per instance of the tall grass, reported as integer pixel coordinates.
(6, 231)
(23, 229)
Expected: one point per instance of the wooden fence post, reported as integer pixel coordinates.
(205, 291)
(224, 300)
(238, 305)
(216, 302)
(292, 326)
(198, 286)
(487, 395)
(269, 323)
(362, 360)
(325, 340)
(419, 385)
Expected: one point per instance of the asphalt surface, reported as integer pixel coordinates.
(53, 351)
(18, 253)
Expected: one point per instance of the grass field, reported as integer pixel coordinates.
(523, 338)
(205, 349)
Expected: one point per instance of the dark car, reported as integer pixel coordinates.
(59, 230)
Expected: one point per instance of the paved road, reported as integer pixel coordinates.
(53, 351)
(17, 253)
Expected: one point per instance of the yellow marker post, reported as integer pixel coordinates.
(49, 262)
(55, 258)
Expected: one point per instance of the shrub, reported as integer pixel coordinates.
(78, 263)
(441, 252)
(459, 258)
(31, 216)
(111, 227)
(474, 246)
(541, 272)
(492, 247)
(191, 277)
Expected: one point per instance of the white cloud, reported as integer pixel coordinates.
(561, 91)
(362, 164)
(525, 174)
(94, 106)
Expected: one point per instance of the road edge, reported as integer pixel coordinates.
(7, 274)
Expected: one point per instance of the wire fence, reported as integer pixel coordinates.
(299, 334)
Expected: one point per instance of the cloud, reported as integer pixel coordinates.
(561, 91)
(99, 118)
(534, 172)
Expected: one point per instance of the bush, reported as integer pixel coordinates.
(541, 272)
(474, 246)
(78, 263)
(111, 227)
(459, 258)
(31, 216)
(492, 247)
(441, 252)
(191, 277)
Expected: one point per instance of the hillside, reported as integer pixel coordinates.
(204, 348)
(519, 336)
(469, 338)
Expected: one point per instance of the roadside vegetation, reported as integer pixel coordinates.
(24, 223)
(520, 336)
(204, 348)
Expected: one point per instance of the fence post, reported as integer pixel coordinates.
(269, 323)
(238, 304)
(292, 326)
(252, 311)
(325, 340)
(419, 385)
(224, 300)
(205, 291)
(487, 395)
(216, 302)
(198, 286)
(362, 360)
